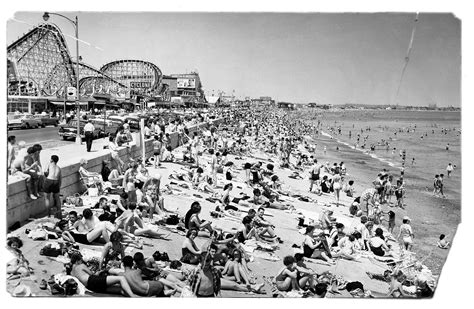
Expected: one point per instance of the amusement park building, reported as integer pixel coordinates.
(40, 68)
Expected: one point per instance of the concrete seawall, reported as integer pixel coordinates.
(20, 207)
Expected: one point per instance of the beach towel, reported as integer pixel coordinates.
(89, 254)
(269, 256)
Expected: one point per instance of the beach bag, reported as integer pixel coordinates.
(48, 250)
(172, 220)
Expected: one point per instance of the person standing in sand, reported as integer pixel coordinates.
(52, 185)
(336, 184)
(314, 175)
(449, 169)
(406, 233)
(369, 197)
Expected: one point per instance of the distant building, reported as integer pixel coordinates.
(263, 101)
(189, 87)
(171, 85)
(320, 106)
(286, 105)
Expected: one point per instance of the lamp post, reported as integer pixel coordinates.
(76, 27)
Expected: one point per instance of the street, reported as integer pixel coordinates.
(47, 137)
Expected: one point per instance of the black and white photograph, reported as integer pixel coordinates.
(232, 154)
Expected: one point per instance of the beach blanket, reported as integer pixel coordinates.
(89, 254)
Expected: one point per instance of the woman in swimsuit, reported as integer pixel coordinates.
(189, 250)
(336, 183)
(113, 252)
(235, 267)
(202, 181)
(192, 220)
(378, 245)
(316, 249)
(226, 198)
(286, 280)
(73, 235)
(153, 198)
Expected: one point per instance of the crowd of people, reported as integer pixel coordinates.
(223, 262)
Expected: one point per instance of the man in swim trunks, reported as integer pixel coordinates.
(52, 185)
(314, 175)
(137, 284)
(95, 283)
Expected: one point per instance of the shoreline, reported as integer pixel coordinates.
(435, 215)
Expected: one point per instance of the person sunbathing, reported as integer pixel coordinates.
(378, 245)
(226, 199)
(235, 268)
(189, 250)
(264, 228)
(137, 284)
(316, 248)
(202, 181)
(347, 248)
(305, 274)
(18, 264)
(192, 220)
(90, 178)
(112, 252)
(132, 225)
(336, 233)
(287, 277)
(96, 283)
(80, 233)
(247, 231)
(154, 198)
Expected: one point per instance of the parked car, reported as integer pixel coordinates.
(46, 120)
(133, 122)
(22, 121)
(69, 130)
(109, 127)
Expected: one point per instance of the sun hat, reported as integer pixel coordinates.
(406, 218)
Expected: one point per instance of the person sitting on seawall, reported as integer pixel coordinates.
(91, 178)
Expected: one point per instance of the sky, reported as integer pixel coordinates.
(294, 57)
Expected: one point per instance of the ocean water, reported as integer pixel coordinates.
(422, 138)
(432, 215)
